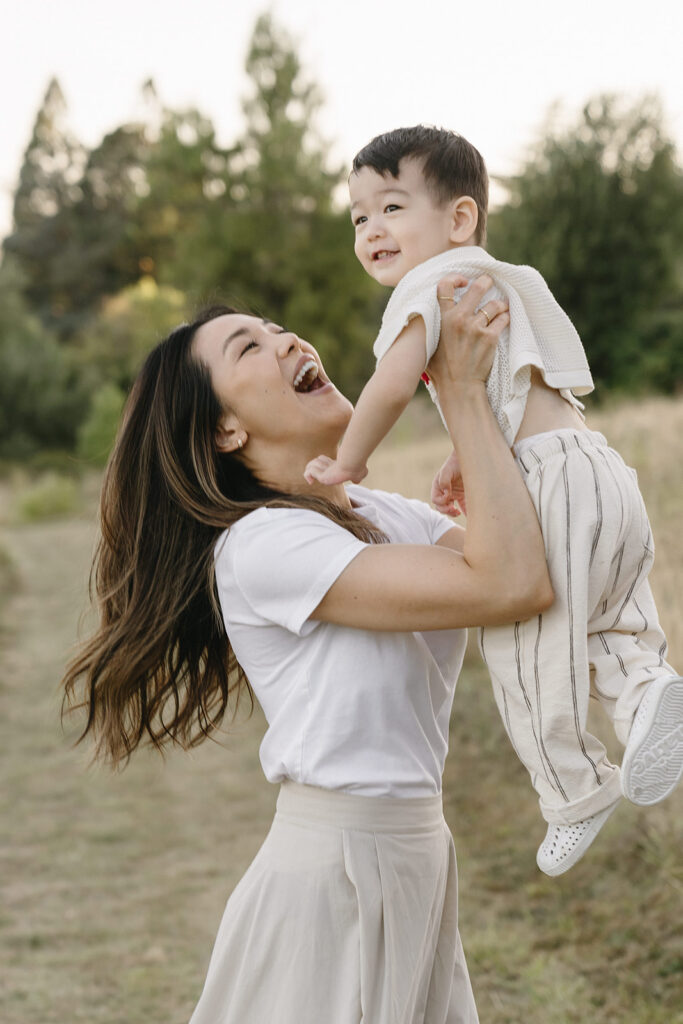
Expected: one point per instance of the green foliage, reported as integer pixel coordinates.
(97, 433)
(256, 224)
(50, 497)
(41, 399)
(598, 209)
(72, 214)
(114, 246)
(8, 575)
(113, 345)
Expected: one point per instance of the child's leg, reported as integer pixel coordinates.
(540, 669)
(637, 687)
(626, 644)
(541, 684)
(626, 660)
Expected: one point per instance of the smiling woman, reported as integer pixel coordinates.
(221, 570)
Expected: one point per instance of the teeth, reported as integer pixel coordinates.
(309, 365)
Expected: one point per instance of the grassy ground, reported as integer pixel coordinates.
(113, 885)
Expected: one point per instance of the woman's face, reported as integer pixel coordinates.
(271, 385)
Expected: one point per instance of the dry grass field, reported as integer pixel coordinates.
(113, 885)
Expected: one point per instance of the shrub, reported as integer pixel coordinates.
(50, 497)
(96, 434)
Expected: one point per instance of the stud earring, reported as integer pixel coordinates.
(239, 442)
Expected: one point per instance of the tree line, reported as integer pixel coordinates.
(112, 246)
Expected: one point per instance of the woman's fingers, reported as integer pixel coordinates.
(470, 329)
(448, 284)
(469, 303)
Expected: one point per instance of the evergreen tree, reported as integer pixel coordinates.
(288, 250)
(72, 217)
(48, 184)
(180, 221)
(598, 209)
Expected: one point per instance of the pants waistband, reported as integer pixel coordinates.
(532, 450)
(313, 805)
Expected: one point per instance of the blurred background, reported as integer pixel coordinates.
(156, 157)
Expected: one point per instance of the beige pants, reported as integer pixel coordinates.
(348, 914)
(601, 636)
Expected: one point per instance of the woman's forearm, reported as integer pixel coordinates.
(503, 534)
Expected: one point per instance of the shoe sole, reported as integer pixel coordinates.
(653, 769)
(577, 853)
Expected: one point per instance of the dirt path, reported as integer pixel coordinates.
(112, 885)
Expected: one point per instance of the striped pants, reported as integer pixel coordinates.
(601, 636)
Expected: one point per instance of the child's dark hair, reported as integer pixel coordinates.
(451, 165)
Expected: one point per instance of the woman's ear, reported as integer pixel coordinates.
(230, 435)
(465, 219)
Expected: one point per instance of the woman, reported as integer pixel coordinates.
(218, 563)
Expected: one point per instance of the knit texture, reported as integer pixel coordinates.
(540, 332)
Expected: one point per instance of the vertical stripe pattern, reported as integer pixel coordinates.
(602, 630)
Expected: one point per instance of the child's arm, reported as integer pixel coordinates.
(448, 493)
(380, 404)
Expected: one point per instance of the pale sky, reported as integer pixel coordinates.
(488, 70)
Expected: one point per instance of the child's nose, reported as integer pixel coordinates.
(375, 228)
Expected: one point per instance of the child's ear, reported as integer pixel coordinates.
(465, 219)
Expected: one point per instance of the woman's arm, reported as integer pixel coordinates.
(501, 575)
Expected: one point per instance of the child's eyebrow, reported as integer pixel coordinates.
(383, 192)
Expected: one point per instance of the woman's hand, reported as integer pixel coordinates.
(469, 333)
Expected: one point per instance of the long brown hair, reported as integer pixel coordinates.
(159, 667)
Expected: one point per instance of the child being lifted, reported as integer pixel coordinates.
(419, 201)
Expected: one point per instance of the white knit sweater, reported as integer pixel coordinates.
(540, 332)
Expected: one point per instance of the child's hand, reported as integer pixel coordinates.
(448, 493)
(327, 471)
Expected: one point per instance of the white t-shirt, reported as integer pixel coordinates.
(348, 709)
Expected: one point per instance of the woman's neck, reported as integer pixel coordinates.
(287, 476)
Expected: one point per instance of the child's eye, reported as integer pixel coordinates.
(390, 207)
(361, 219)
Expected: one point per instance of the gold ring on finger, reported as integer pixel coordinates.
(488, 318)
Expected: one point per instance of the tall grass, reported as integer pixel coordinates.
(112, 887)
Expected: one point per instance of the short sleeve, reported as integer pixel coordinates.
(404, 520)
(284, 561)
(433, 523)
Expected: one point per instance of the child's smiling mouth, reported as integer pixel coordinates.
(384, 254)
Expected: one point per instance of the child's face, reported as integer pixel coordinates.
(397, 220)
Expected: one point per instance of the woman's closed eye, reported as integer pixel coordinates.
(250, 344)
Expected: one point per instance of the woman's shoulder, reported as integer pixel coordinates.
(403, 520)
(391, 500)
(269, 531)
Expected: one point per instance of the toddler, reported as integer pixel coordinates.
(419, 203)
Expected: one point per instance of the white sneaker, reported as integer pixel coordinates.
(653, 759)
(564, 845)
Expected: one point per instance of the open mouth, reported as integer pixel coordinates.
(384, 254)
(307, 378)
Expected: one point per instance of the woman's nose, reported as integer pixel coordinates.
(287, 342)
